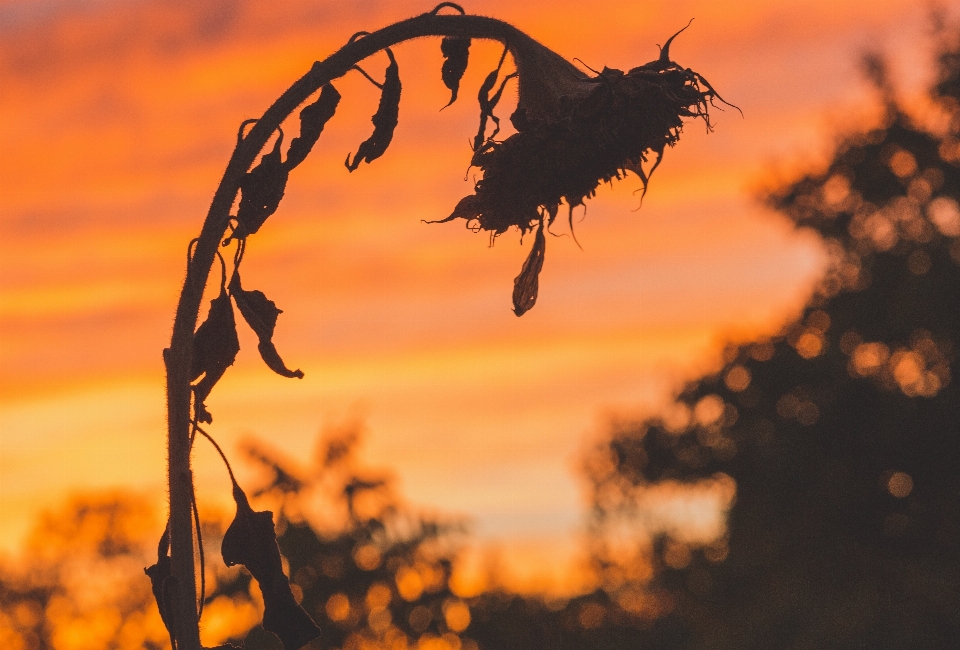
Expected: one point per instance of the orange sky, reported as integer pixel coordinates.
(118, 116)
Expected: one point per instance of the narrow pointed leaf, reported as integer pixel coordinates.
(384, 120)
(251, 541)
(527, 284)
(455, 51)
(312, 120)
(261, 315)
(467, 208)
(215, 347)
(261, 190)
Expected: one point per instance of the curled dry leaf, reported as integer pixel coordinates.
(215, 347)
(312, 120)
(260, 191)
(250, 540)
(261, 315)
(527, 284)
(456, 51)
(488, 103)
(384, 120)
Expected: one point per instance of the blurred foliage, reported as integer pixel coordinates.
(368, 569)
(376, 576)
(842, 433)
(80, 584)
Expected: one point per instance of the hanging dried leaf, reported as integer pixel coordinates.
(162, 583)
(261, 315)
(312, 120)
(488, 103)
(215, 347)
(260, 192)
(455, 51)
(527, 284)
(250, 540)
(384, 120)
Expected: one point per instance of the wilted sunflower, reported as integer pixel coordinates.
(574, 132)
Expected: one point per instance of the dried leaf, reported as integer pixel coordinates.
(261, 315)
(527, 284)
(488, 103)
(312, 120)
(260, 192)
(384, 120)
(215, 347)
(455, 51)
(250, 540)
(160, 575)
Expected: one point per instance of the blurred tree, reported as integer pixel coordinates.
(842, 433)
(373, 573)
(376, 576)
(79, 585)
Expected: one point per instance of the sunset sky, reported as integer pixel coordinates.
(117, 118)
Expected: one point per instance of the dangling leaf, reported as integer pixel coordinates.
(261, 315)
(527, 284)
(384, 120)
(260, 192)
(250, 540)
(215, 347)
(160, 576)
(312, 120)
(455, 51)
(488, 103)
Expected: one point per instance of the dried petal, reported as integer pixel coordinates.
(455, 51)
(261, 315)
(312, 120)
(260, 192)
(384, 120)
(527, 284)
(250, 540)
(215, 347)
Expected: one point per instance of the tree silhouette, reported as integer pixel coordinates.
(842, 432)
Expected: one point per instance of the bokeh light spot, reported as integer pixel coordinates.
(737, 379)
(338, 607)
(456, 614)
(900, 484)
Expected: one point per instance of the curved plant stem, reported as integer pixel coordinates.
(178, 356)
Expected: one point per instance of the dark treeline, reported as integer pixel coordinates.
(841, 434)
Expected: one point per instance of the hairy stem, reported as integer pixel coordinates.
(178, 356)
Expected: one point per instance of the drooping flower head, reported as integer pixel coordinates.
(574, 132)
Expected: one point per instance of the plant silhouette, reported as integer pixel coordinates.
(574, 131)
